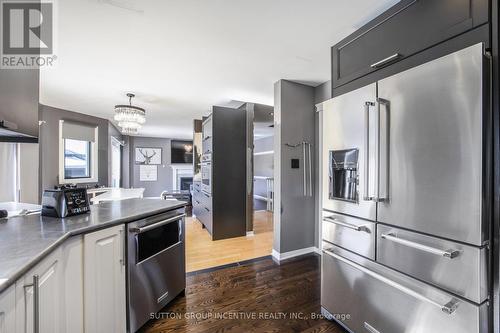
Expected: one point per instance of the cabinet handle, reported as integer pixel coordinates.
(36, 302)
(122, 255)
(385, 61)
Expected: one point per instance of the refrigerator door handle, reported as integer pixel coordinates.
(383, 128)
(443, 253)
(367, 195)
(448, 308)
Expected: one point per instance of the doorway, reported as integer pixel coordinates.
(204, 253)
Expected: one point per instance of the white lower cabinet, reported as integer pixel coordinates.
(8, 310)
(104, 281)
(39, 297)
(79, 287)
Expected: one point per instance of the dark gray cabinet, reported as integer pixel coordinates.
(219, 200)
(404, 30)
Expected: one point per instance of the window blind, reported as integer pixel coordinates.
(78, 131)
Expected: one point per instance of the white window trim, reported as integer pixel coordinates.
(94, 177)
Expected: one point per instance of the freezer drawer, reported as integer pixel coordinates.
(458, 268)
(349, 233)
(376, 299)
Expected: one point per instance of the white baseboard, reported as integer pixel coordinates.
(250, 234)
(287, 255)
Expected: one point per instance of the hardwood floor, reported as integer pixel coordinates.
(202, 252)
(262, 296)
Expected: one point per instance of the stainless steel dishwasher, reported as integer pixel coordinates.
(156, 270)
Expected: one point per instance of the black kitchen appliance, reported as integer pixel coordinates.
(65, 202)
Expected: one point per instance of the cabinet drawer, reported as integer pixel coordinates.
(205, 217)
(458, 268)
(378, 299)
(403, 30)
(197, 211)
(206, 199)
(349, 233)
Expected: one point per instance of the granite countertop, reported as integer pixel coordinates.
(25, 240)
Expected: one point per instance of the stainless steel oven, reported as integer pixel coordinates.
(206, 176)
(156, 268)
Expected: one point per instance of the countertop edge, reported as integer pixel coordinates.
(85, 230)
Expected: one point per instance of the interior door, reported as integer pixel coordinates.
(434, 135)
(345, 130)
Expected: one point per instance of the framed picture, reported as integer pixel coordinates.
(148, 173)
(148, 156)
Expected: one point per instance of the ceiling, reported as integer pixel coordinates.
(180, 57)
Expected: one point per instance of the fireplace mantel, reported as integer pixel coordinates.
(180, 170)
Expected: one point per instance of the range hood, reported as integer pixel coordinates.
(9, 133)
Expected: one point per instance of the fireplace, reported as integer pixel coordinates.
(185, 183)
(182, 176)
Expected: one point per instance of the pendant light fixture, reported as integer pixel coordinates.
(129, 117)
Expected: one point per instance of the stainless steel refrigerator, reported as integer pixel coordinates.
(406, 177)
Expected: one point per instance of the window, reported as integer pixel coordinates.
(78, 155)
(77, 159)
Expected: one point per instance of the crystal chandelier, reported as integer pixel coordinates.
(130, 118)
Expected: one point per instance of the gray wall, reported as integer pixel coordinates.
(165, 172)
(49, 144)
(322, 93)
(294, 216)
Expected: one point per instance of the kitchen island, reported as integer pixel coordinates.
(49, 266)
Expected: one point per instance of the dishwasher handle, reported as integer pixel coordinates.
(157, 224)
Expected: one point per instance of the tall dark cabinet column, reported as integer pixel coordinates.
(220, 199)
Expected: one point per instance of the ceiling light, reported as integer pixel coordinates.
(130, 118)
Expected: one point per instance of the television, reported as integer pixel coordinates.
(181, 152)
